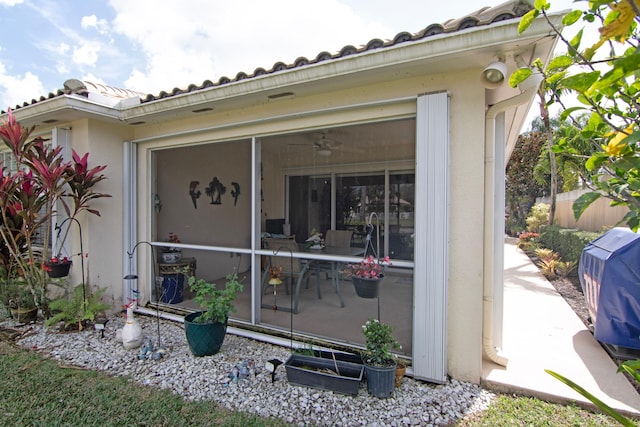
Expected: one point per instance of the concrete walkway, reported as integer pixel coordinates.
(541, 331)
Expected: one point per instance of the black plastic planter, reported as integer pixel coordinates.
(58, 269)
(365, 287)
(305, 370)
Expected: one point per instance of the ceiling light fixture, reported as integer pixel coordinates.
(324, 151)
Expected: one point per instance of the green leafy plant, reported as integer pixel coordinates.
(28, 198)
(599, 403)
(216, 303)
(603, 77)
(538, 216)
(565, 268)
(549, 262)
(379, 340)
(77, 310)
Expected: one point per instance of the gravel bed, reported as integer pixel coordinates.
(210, 378)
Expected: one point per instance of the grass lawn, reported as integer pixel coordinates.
(39, 391)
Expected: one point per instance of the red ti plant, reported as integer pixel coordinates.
(28, 199)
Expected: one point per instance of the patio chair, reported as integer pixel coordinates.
(339, 239)
(294, 270)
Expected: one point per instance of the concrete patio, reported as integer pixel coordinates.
(541, 331)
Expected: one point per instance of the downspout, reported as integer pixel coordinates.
(529, 88)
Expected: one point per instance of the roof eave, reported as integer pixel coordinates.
(487, 43)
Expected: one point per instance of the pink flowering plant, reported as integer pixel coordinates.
(29, 195)
(370, 268)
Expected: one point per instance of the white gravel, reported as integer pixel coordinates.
(208, 378)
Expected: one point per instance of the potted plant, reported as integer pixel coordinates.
(379, 363)
(401, 370)
(21, 304)
(172, 254)
(205, 330)
(57, 267)
(367, 276)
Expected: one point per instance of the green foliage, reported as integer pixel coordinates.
(538, 217)
(603, 77)
(379, 340)
(567, 242)
(631, 367)
(566, 268)
(217, 303)
(521, 189)
(30, 194)
(624, 421)
(76, 310)
(548, 262)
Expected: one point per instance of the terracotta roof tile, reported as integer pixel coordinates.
(485, 16)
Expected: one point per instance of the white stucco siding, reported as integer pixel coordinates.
(466, 229)
(102, 235)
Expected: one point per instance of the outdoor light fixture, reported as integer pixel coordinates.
(493, 76)
(100, 325)
(271, 366)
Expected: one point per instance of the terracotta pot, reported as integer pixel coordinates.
(400, 371)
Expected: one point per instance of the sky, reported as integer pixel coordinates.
(155, 45)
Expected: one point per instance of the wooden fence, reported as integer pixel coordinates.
(597, 216)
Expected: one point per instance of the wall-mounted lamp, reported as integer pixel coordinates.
(493, 76)
(324, 152)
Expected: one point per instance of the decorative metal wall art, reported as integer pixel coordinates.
(235, 192)
(194, 193)
(215, 190)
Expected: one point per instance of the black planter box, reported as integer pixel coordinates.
(345, 357)
(348, 382)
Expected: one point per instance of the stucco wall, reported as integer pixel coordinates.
(226, 224)
(466, 228)
(102, 235)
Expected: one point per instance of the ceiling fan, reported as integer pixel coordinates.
(325, 146)
(321, 143)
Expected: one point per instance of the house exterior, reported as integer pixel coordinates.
(400, 133)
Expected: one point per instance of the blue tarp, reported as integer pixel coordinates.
(609, 273)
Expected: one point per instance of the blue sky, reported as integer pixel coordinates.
(155, 45)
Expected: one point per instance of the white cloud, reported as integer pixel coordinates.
(86, 54)
(15, 90)
(92, 21)
(10, 2)
(193, 42)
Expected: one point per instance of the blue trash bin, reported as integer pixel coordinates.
(172, 288)
(609, 273)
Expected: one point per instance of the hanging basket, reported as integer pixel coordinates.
(365, 287)
(59, 269)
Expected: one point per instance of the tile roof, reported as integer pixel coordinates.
(485, 16)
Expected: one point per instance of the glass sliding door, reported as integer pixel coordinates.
(335, 179)
(401, 196)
